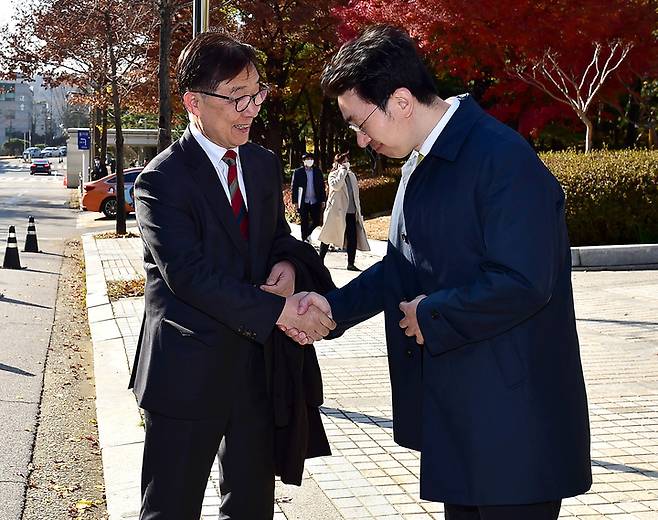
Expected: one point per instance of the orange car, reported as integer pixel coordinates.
(99, 195)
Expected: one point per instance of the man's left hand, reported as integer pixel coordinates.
(281, 279)
(410, 322)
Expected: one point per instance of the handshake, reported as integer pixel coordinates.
(306, 317)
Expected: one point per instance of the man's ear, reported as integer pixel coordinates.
(403, 102)
(191, 101)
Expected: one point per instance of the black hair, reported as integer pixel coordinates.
(379, 61)
(210, 58)
(307, 155)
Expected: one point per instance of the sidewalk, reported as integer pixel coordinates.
(369, 476)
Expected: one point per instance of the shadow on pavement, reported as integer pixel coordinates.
(357, 417)
(20, 302)
(15, 370)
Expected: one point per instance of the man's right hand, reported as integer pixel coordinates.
(311, 325)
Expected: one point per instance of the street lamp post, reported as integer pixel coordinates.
(200, 16)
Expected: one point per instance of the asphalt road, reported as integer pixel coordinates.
(27, 303)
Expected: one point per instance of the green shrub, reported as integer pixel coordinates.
(612, 196)
(13, 146)
(377, 194)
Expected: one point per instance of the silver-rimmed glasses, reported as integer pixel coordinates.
(359, 128)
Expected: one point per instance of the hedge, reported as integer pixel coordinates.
(612, 196)
(375, 193)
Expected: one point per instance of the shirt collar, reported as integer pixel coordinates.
(427, 145)
(214, 152)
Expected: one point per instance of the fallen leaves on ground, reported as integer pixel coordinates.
(125, 288)
(112, 234)
(377, 228)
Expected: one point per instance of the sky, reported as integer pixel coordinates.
(6, 10)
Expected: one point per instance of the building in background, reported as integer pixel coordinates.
(16, 110)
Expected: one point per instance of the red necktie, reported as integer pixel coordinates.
(237, 202)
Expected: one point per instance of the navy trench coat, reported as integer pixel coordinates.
(495, 400)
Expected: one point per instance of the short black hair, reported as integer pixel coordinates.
(307, 155)
(379, 61)
(210, 58)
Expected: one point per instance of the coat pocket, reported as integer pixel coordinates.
(207, 339)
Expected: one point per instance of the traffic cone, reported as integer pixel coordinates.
(31, 245)
(11, 253)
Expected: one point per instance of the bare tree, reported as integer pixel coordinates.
(571, 87)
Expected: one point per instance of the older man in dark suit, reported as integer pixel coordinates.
(483, 352)
(210, 213)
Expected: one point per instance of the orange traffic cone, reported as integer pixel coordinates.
(11, 253)
(31, 244)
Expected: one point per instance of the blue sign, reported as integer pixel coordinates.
(84, 139)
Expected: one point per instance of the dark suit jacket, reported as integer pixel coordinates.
(495, 400)
(299, 181)
(202, 301)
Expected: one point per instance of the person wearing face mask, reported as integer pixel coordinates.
(99, 170)
(308, 194)
(343, 222)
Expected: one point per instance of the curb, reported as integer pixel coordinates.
(120, 434)
(630, 256)
(621, 257)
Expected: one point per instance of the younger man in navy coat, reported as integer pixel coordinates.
(484, 359)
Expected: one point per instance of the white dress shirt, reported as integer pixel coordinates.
(215, 154)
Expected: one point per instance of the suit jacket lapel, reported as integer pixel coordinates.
(251, 168)
(206, 176)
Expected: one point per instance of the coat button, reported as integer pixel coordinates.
(409, 353)
(435, 315)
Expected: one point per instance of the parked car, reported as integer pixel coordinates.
(62, 151)
(100, 195)
(50, 151)
(30, 153)
(40, 166)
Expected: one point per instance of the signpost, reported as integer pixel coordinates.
(84, 143)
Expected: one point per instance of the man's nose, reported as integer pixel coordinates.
(252, 109)
(362, 139)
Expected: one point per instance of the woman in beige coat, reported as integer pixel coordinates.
(343, 222)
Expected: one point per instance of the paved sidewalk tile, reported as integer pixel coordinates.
(370, 477)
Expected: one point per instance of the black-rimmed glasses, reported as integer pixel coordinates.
(359, 128)
(242, 102)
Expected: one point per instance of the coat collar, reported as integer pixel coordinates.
(456, 131)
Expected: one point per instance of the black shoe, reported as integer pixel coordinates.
(352, 267)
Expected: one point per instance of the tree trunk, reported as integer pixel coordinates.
(103, 147)
(96, 133)
(116, 102)
(164, 119)
(652, 138)
(589, 131)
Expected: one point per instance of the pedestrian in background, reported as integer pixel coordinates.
(308, 194)
(343, 222)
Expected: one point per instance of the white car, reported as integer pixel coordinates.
(50, 151)
(30, 153)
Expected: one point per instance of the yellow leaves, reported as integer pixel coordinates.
(84, 504)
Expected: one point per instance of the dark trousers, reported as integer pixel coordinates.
(541, 511)
(350, 239)
(310, 215)
(178, 455)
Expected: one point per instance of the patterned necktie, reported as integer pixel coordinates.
(237, 202)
